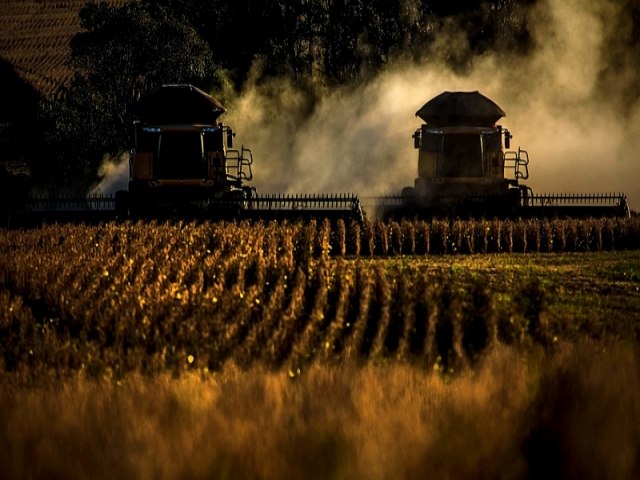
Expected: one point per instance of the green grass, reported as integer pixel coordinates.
(578, 288)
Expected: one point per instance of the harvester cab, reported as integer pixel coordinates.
(183, 161)
(467, 155)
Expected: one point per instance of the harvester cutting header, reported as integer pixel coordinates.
(183, 165)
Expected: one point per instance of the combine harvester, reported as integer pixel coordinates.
(183, 166)
(464, 171)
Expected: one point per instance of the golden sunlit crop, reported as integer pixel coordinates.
(455, 349)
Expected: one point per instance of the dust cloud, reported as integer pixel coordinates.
(573, 104)
(113, 174)
(566, 104)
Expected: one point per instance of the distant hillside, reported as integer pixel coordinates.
(35, 36)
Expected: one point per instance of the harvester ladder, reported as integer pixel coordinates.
(518, 161)
(239, 164)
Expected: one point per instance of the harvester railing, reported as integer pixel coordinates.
(38, 203)
(578, 204)
(343, 201)
(238, 164)
(518, 161)
(568, 199)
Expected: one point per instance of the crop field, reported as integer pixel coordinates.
(35, 36)
(448, 349)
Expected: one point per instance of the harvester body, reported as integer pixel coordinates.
(461, 167)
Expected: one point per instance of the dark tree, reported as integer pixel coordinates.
(126, 51)
(122, 53)
(18, 116)
(346, 41)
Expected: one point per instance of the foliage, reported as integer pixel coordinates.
(132, 49)
(343, 41)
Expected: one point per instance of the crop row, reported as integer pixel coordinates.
(153, 297)
(492, 236)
